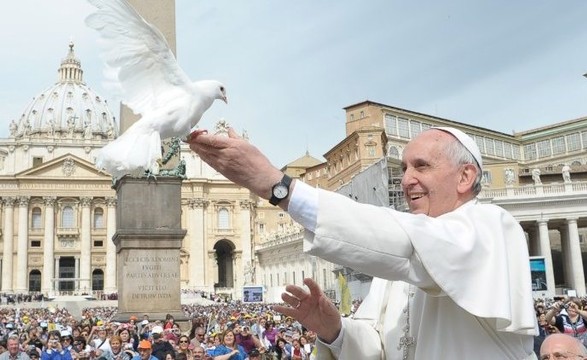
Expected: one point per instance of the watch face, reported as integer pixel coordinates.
(280, 191)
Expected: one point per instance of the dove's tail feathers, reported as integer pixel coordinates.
(132, 153)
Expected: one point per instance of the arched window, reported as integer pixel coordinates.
(98, 280)
(36, 221)
(34, 281)
(98, 218)
(67, 220)
(393, 152)
(223, 219)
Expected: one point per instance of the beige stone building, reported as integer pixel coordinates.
(58, 211)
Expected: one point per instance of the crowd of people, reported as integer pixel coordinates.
(224, 330)
(561, 315)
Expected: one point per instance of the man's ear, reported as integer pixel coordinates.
(467, 178)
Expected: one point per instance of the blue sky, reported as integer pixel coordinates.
(290, 67)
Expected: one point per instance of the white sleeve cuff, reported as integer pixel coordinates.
(303, 205)
(335, 346)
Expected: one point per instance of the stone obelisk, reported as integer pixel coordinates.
(160, 13)
(148, 234)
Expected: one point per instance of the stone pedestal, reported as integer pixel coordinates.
(148, 239)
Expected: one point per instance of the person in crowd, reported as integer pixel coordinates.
(199, 353)
(306, 344)
(101, 343)
(129, 338)
(55, 350)
(568, 317)
(160, 345)
(247, 340)
(13, 351)
(254, 355)
(259, 327)
(33, 339)
(270, 335)
(562, 346)
(282, 349)
(66, 340)
(80, 350)
(34, 353)
(183, 346)
(297, 352)
(144, 349)
(3, 345)
(169, 321)
(228, 349)
(435, 256)
(118, 351)
(197, 335)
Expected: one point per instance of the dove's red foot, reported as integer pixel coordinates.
(194, 134)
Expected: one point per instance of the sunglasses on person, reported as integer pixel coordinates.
(183, 341)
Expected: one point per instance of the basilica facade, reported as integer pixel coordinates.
(58, 212)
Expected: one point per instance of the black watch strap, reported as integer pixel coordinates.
(286, 182)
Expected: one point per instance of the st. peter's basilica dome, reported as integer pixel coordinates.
(67, 109)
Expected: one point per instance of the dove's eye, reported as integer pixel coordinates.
(222, 88)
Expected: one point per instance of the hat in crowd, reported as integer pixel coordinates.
(467, 142)
(157, 330)
(44, 324)
(144, 322)
(254, 352)
(65, 333)
(145, 344)
(10, 326)
(133, 318)
(99, 323)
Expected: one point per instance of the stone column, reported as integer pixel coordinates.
(49, 246)
(565, 256)
(86, 246)
(56, 275)
(8, 235)
(544, 250)
(148, 240)
(213, 265)
(245, 240)
(237, 273)
(110, 278)
(197, 270)
(77, 276)
(22, 245)
(577, 275)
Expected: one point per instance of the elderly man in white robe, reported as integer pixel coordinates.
(460, 279)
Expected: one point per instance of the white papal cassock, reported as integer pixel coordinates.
(460, 284)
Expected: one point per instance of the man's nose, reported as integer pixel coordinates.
(407, 178)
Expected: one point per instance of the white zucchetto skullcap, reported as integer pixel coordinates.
(467, 142)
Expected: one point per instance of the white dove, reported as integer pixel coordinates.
(151, 83)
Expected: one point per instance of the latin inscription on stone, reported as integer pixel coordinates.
(151, 275)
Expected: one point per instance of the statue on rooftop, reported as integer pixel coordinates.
(566, 172)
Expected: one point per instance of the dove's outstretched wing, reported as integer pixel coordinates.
(137, 54)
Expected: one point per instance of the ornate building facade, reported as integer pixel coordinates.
(58, 211)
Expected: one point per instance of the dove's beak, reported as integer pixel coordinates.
(225, 99)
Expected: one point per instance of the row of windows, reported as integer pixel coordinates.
(293, 280)
(66, 285)
(68, 220)
(556, 146)
(38, 244)
(408, 129)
